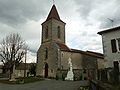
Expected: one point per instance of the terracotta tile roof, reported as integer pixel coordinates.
(63, 46)
(77, 51)
(90, 53)
(109, 30)
(100, 55)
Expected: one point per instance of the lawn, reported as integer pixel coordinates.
(22, 80)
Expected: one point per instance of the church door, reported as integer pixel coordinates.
(46, 70)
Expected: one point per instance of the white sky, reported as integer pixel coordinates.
(83, 18)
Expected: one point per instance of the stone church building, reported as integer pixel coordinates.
(53, 54)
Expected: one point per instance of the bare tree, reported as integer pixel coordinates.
(12, 51)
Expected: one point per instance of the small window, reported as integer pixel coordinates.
(46, 53)
(118, 44)
(113, 45)
(51, 70)
(58, 31)
(46, 32)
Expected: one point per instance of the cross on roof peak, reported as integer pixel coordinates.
(53, 2)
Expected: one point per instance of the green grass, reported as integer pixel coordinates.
(32, 79)
(22, 80)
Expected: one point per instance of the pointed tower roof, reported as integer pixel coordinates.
(53, 14)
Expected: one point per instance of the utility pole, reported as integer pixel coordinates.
(25, 63)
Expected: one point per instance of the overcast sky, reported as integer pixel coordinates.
(84, 18)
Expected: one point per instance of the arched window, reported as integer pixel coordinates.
(46, 53)
(58, 33)
(46, 32)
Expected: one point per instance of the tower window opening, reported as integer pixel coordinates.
(46, 32)
(58, 31)
(46, 53)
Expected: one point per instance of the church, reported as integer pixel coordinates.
(53, 54)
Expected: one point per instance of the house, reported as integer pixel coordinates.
(20, 70)
(111, 45)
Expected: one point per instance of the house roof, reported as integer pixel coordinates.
(100, 55)
(77, 51)
(21, 66)
(90, 53)
(109, 30)
(63, 46)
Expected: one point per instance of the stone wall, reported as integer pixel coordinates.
(97, 85)
(111, 75)
(79, 74)
(76, 59)
(89, 62)
(101, 63)
(52, 26)
(20, 73)
(52, 59)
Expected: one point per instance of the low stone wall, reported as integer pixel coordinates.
(97, 85)
(79, 74)
(111, 74)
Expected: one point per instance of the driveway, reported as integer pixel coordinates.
(46, 85)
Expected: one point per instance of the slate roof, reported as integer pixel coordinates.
(109, 30)
(53, 14)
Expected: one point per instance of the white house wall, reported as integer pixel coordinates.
(107, 49)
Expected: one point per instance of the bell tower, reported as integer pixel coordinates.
(53, 29)
(53, 38)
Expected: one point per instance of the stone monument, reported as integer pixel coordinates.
(70, 74)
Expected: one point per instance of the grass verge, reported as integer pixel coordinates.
(22, 80)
